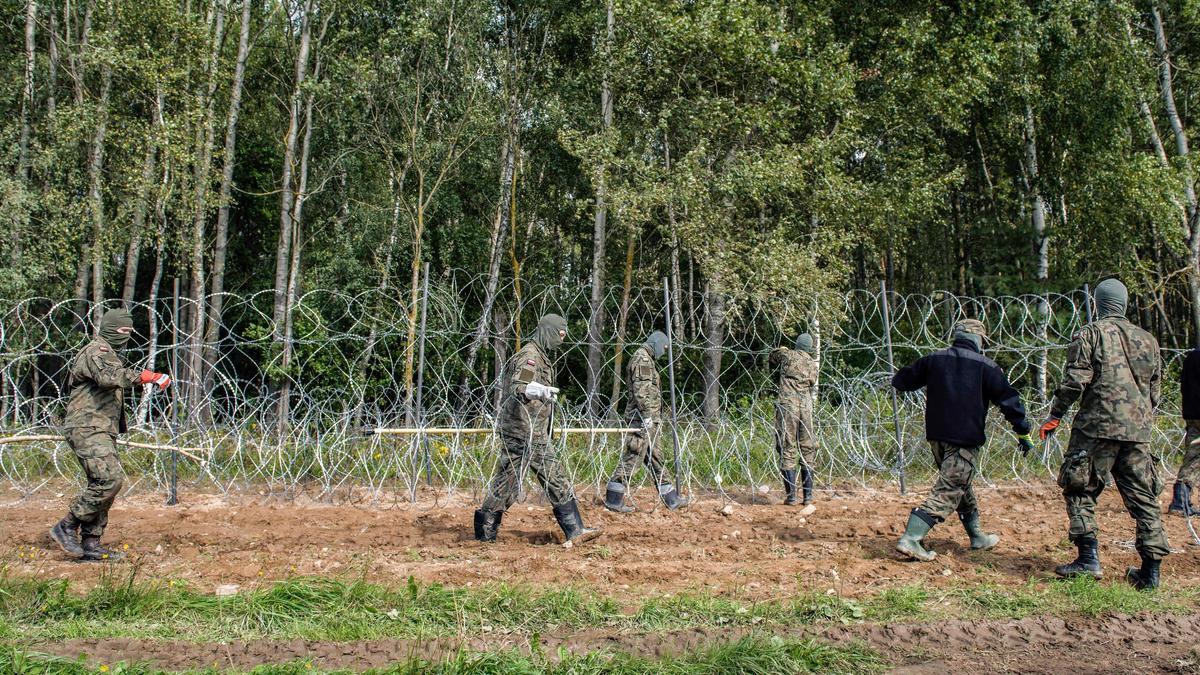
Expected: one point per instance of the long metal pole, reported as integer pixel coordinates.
(173, 493)
(887, 332)
(671, 377)
(421, 378)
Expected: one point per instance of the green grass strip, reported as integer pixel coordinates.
(749, 655)
(337, 610)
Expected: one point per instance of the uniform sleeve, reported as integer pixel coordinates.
(911, 378)
(775, 360)
(105, 373)
(524, 371)
(1002, 394)
(1156, 381)
(808, 371)
(643, 385)
(1077, 375)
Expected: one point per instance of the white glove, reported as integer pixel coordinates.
(540, 392)
(647, 423)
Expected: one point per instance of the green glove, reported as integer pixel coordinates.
(1024, 443)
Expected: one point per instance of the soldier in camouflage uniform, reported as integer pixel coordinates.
(643, 410)
(95, 415)
(524, 424)
(1113, 368)
(1189, 471)
(794, 433)
(960, 383)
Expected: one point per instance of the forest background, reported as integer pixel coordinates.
(760, 155)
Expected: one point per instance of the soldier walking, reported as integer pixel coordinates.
(95, 415)
(524, 423)
(1114, 370)
(795, 440)
(643, 410)
(960, 382)
(1189, 471)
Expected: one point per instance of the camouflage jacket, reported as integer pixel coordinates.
(796, 371)
(521, 418)
(645, 387)
(98, 378)
(1115, 367)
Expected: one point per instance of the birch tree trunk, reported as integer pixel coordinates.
(202, 170)
(288, 226)
(95, 173)
(1041, 241)
(714, 339)
(140, 205)
(500, 226)
(623, 321)
(216, 301)
(1182, 151)
(595, 354)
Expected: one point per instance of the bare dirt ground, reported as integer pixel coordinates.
(755, 551)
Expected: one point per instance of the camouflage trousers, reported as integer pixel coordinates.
(952, 490)
(794, 437)
(96, 451)
(641, 448)
(1084, 474)
(516, 458)
(1189, 471)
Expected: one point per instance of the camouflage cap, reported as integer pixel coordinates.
(966, 328)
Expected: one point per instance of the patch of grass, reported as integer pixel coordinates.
(749, 655)
(898, 603)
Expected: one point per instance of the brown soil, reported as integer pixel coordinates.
(1113, 644)
(756, 551)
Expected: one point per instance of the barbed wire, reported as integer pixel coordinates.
(290, 424)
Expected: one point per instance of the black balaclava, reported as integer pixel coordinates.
(658, 343)
(806, 344)
(115, 327)
(546, 335)
(1112, 298)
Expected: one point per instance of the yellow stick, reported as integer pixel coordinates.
(186, 452)
(451, 431)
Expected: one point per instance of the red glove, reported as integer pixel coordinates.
(150, 377)
(1048, 428)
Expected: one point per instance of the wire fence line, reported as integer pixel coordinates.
(350, 371)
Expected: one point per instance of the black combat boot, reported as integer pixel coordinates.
(614, 498)
(807, 478)
(671, 498)
(1145, 579)
(1087, 564)
(65, 533)
(789, 486)
(567, 515)
(93, 551)
(1181, 501)
(487, 524)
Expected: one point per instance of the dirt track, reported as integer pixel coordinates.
(756, 552)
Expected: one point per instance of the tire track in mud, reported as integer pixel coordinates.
(1142, 643)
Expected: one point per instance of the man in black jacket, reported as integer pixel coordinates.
(960, 382)
(1189, 472)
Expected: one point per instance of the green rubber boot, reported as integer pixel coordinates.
(980, 540)
(919, 524)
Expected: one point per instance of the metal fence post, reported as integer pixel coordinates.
(671, 377)
(887, 332)
(420, 410)
(173, 490)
